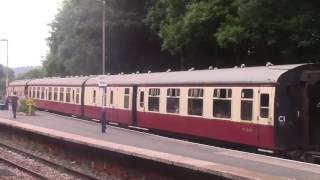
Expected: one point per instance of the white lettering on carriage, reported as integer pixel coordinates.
(282, 120)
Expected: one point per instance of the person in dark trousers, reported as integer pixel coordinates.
(14, 104)
(103, 121)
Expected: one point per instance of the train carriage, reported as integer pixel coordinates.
(19, 87)
(63, 95)
(256, 106)
(267, 107)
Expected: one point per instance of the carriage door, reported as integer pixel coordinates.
(311, 108)
(314, 113)
(134, 106)
(265, 116)
(140, 103)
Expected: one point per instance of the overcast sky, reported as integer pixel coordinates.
(25, 24)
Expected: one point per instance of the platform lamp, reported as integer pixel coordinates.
(7, 71)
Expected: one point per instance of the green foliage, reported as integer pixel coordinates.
(266, 28)
(32, 74)
(76, 37)
(197, 32)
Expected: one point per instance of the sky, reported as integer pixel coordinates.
(25, 24)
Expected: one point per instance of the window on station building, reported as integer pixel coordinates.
(94, 96)
(154, 99)
(222, 103)
(50, 94)
(34, 92)
(246, 104)
(195, 101)
(55, 94)
(264, 105)
(38, 92)
(78, 96)
(68, 93)
(126, 98)
(61, 97)
(42, 92)
(173, 100)
(141, 103)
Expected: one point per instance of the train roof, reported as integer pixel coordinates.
(19, 82)
(246, 75)
(58, 81)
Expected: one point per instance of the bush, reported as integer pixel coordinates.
(24, 108)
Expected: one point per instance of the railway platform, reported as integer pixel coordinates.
(209, 159)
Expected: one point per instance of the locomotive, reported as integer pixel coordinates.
(271, 108)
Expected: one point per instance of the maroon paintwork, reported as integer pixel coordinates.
(237, 132)
(115, 115)
(71, 109)
(224, 130)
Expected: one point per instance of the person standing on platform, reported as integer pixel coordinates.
(103, 121)
(14, 104)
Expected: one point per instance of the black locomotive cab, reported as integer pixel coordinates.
(312, 107)
(297, 115)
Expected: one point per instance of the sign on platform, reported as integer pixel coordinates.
(102, 81)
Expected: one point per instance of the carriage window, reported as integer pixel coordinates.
(42, 92)
(264, 105)
(154, 99)
(55, 94)
(126, 97)
(50, 93)
(246, 104)
(34, 92)
(38, 92)
(222, 103)
(77, 96)
(61, 94)
(94, 96)
(173, 100)
(111, 97)
(195, 101)
(68, 94)
(141, 98)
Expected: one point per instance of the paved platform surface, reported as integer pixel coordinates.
(229, 163)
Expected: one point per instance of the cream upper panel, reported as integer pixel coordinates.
(208, 103)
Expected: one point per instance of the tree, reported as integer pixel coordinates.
(32, 74)
(252, 31)
(75, 41)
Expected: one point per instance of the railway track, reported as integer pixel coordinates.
(39, 167)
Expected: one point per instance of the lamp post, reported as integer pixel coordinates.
(7, 72)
